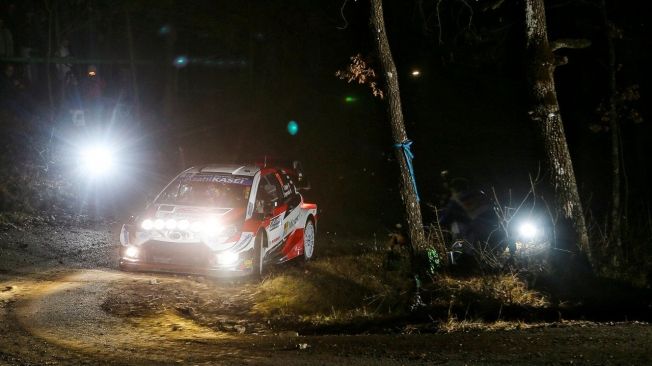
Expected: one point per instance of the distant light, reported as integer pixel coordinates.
(164, 30)
(293, 128)
(350, 99)
(528, 230)
(416, 73)
(181, 61)
(91, 74)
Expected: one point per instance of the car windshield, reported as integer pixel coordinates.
(207, 190)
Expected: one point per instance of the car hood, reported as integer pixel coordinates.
(227, 215)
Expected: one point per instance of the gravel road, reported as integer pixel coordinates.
(59, 288)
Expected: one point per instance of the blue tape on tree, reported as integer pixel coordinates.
(405, 146)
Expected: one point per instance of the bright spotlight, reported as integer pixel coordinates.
(528, 230)
(97, 160)
(416, 73)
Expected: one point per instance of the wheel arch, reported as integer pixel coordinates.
(263, 231)
(311, 217)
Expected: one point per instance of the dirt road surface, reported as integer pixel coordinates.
(63, 302)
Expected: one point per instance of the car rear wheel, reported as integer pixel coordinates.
(258, 261)
(309, 240)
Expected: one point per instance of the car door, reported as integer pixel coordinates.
(292, 200)
(269, 194)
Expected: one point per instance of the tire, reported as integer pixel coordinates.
(309, 240)
(258, 263)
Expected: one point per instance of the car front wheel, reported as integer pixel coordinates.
(258, 261)
(309, 240)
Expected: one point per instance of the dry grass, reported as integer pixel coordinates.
(351, 283)
(454, 325)
(354, 283)
(507, 289)
(349, 287)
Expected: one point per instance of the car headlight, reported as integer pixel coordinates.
(159, 224)
(228, 231)
(227, 258)
(183, 224)
(147, 224)
(170, 224)
(132, 252)
(197, 226)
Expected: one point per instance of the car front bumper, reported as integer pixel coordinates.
(192, 261)
(188, 257)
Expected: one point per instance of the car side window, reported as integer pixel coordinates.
(272, 188)
(269, 191)
(290, 195)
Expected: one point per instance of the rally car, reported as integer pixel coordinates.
(222, 220)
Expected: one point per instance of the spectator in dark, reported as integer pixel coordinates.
(6, 41)
(63, 69)
(10, 83)
(92, 86)
(12, 93)
(470, 216)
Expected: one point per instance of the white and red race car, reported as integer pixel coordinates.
(222, 220)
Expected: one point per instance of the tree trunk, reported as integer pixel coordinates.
(545, 114)
(408, 192)
(614, 129)
(48, 66)
(132, 66)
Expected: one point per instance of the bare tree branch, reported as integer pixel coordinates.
(574, 43)
(346, 22)
(439, 36)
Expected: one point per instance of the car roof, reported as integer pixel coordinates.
(234, 169)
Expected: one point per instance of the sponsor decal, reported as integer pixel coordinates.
(290, 224)
(275, 222)
(213, 178)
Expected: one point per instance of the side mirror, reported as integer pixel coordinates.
(302, 183)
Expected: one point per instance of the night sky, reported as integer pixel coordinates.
(251, 67)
